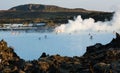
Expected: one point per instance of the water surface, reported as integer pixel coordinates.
(30, 46)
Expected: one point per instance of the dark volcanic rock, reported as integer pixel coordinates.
(9, 61)
(97, 59)
(105, 58)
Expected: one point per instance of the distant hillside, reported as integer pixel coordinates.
(36, 13)
(45, 8)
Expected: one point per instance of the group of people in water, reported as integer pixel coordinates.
(91, 36)
(45, 37)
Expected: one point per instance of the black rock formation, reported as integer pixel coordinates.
(105, 58)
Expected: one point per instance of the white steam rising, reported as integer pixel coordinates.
(90, 25)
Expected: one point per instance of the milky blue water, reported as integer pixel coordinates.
(30, 46)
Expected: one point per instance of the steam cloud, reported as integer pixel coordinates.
(79, 24)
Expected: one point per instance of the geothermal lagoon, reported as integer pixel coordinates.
(69, 39)
(31, 45)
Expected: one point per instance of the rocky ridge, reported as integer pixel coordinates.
(50, 14)
(45, 8)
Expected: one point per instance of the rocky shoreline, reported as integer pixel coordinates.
(97, 59)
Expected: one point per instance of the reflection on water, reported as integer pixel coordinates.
(30, 45)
